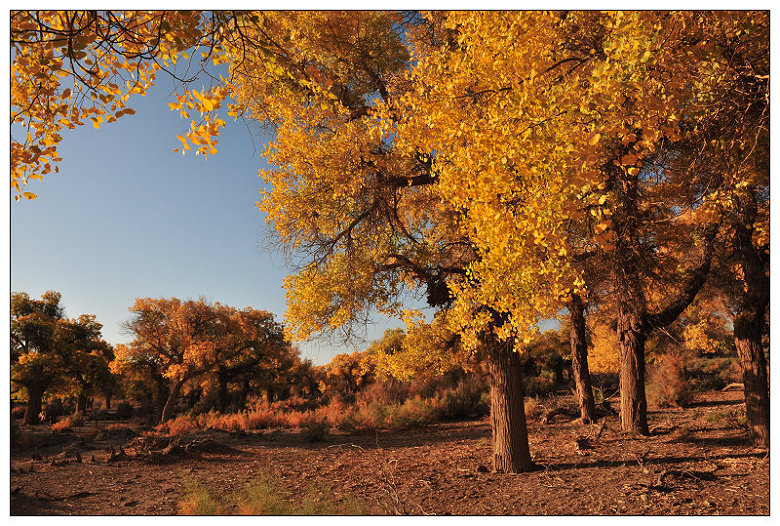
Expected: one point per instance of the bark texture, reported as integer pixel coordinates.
(34, 402)
(749, 329)
(633, 402)
(170, 404)
(507, 410)
(579, 360)
(81, 403)
(222, 392)
(747, 337)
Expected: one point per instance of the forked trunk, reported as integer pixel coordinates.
(579, 360)
(507, 411)
(747, 336)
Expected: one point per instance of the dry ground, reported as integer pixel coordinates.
(694, 462)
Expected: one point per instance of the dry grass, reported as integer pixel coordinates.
(265, 496)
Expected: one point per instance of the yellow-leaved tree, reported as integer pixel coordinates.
(478, 157)
(561, 134)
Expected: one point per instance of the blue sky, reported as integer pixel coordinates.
(127, 217)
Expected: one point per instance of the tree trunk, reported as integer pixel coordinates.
(108, 400)
(244, 393)
(579, 360)
(81, 404)
(222, 392)
(170, 404)
(163, 392)
(749, 324)
(633, 402)
(631, 310)
(747, 336)
(34, 402)
(507, 411)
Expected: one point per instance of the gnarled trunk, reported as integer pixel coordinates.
(579, 360)
(507, 411)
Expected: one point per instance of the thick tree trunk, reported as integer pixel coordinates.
(579, 360)
(34, 403)
(244, 393)
(633, 402)
(170, 404)
(507, 411)
(222, 392)
(749, 324)
(81, 403)
(747, 336)
(631, 309)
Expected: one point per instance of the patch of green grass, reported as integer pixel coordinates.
(198, 500)
(716, 418)
(265, 496)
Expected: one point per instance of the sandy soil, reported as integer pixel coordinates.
(694, 462)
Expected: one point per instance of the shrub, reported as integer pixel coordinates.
(76, 419)
(198, 500)
(54, 408)
(263, 418)
(313, 429)
(347, 423)
(668, 384)
(737, 419)
(64, 425)
(534, 410)
(540, 385)
(179, 425)
(124, 410)
(414, 412)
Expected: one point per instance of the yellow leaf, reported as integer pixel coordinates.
(595, 139)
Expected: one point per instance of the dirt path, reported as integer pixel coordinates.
(693, 463)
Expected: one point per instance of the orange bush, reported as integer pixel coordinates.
(179, 426)
(63, 425)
